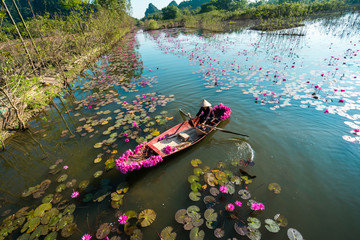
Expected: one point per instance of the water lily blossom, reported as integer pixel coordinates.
(230, 207)
(122, 219)
(238, 203)
(75, 194)
(86, 237)
(66, 167)
(223, 189)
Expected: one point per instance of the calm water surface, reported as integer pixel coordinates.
(296, 93)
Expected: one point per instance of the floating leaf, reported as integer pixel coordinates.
(21, 212)
(195, 186)
(98, 174)
(211, 224)
(197, 222)
(198, 171)
(274, 187)
(281, 220)
(180, 215)
(193, 211)
(244, 194)
(33, 223)
(131, 214)
(64, 221)
(210, 215)
(97, 160)
(196, 162)
(24, 236)
(103, 230)
(193, 178)
(195, 234)
(214, 191)
(98, 145)
(272, 226)
(69, 209)
(83, 184)
(210, 179)
(155, 133)
(60, 188)
(40, 210)
(294, 234)
(48, 215)
(240, 228)
(231, 187)
(136, 235)
(236, 180)
(122, 188)
(147, 217)
(209, 201)
(62, 178)
(254, 222)
(253, 234)
(194, 196)
(168, 234)
(51, 236)
(68, 230)
(220, 165)
(219, 233)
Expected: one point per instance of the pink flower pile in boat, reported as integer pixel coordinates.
(168, 149)
(257, 206)
(223, 111)
(123, 166)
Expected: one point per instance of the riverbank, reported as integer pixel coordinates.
(58, 55)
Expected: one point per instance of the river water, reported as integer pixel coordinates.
(295, 92)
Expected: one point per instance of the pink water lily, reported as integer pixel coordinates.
(223, 189)
(74, 194)
(86, 237)
(66, 167)
(238, 203)
(230, 207)
(122, 219)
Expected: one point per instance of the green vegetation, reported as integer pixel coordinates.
(59, 42)
(215, 14)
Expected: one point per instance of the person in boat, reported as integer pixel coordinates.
(206, 113)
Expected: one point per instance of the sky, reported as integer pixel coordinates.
(139, 6)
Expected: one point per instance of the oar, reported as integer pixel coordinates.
(216, 128)
(182, 113)
(227, 131)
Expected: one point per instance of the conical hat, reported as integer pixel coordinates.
(205, 103)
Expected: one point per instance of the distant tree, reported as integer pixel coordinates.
(192, 4)
(207, 7)
(170, 12)
(151, 9)
(173, 3)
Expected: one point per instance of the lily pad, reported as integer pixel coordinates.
(253, 234)
(180, 215)
(211, 224)
(98, 174)
(51, 236)
(272, 226)
(40, 210)
(68, 230)
(244, 194)
(97, 160)
(193, 178)
(193, 211)
(48, 215)
(168, 234)
(254, 223)
(98, 145)
(195, 186)
(198, 171)
(69, 209)
(281, 220)
(214, 191)
(197, 222)
(83, 184)
(122, 188)
(209, 201)
(194, 196)
(240, 228)
(147, 217)
(33, 223)
(64, 221)
(195, 234)
(219, 233)
(196, 162)
(103, 230)
(62, 178)
(60, 188)
(136, 235)
(220, 165)
(274, 187)
(210, 215)
(24, 236)
(210, 179)
(231, 187)
(294, 234)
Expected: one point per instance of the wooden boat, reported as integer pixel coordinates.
(170, 142)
